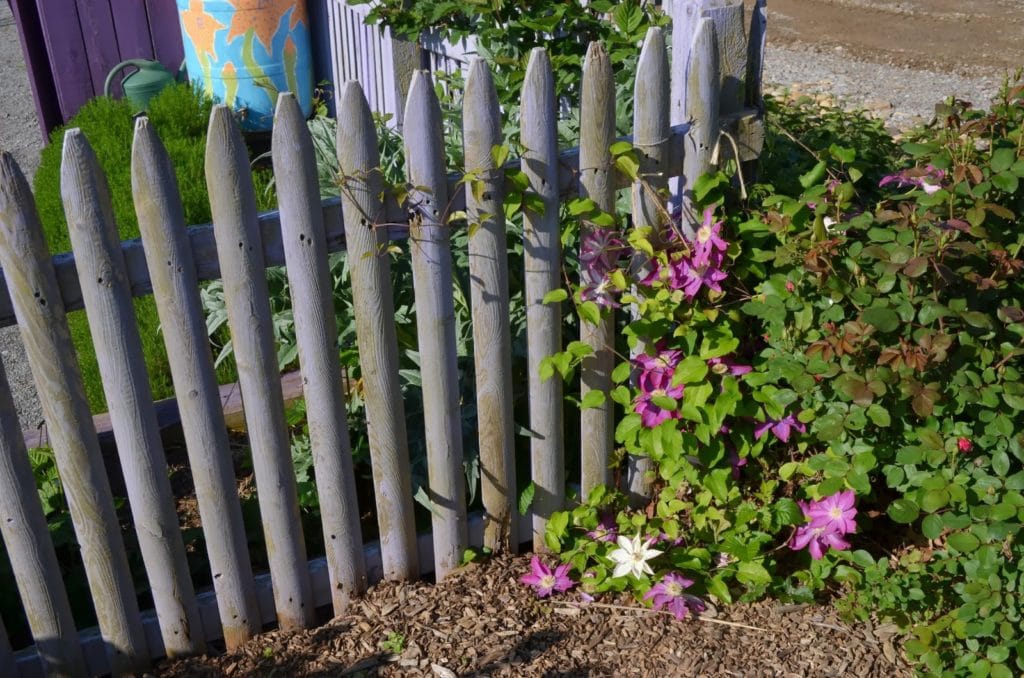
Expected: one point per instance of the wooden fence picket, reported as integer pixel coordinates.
(316, 331)
(597, 182)
(731, 45)
(29, 271)
(651, 132)
(757, 38)
(702, 85)
(172, 270)
(430, 248)
(33, 558)
(233, 205)
(115, 335)
(488, 276)
(542, 256)
(374, 309)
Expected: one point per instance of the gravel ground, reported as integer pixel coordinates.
(874, 66)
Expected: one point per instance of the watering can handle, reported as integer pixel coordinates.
(138, 63)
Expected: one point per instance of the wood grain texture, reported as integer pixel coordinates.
(731, 43)
(29, 548)
(702, 84)
(233, 206)
(488, 276)
(684, 15)
(183, 325)
(651, 131)
(115, 336)
(757, 39)
(54, 365)
(597, 133)
(316, 331)
(542, 258)
(430, 247)
(374, 308)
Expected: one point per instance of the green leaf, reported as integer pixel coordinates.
(753, 573)
(1006, 182)
(526, 498)
(592, 399)
(884, 319)
(590, 312)
(965, 542)
(977, 319)
(719, 589)
(879, 415)
(814, 176)
(621, 372)
(555, 296)
(903, 511)
(931, 526)
(690, 371)
(1003, 159)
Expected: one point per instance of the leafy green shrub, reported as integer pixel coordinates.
(180, 116)
(828, 381)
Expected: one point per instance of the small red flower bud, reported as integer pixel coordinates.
(790, 286)
(964, 445)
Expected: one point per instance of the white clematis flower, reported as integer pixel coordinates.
(632, 556)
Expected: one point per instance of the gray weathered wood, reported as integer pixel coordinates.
(430, 247)
(731, 43)
(316, 331)
(30, 550)
(374, 309)
(233, 206)
(597, 133)
(488, 276)
(702, 78)
(684, 15)
(757, 38)
(175, 288)
(51, 356)
(542, 258)
(651, 132)
(115, 336)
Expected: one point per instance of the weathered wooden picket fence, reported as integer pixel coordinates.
(720, 90)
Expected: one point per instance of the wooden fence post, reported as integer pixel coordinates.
(115, 335)
(756, 41)
(651, 140)
(488, 279)
(702, 85)
(731, 44)
(30, 550)
(239, 250)
(316, 330)
(172, 271)
(37, 303)
(685, 14)
(597, 182)
(430, 246)
(542, 259)
(373, 304)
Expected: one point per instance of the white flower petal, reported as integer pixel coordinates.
(621, 570)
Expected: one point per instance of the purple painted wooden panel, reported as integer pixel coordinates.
(100, 40)
(165, 31)
(69, 61)
(44, 91)
(132, 27)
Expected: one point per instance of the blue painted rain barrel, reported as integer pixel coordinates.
(243, 52)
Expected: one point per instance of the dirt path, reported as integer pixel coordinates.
(965, 38)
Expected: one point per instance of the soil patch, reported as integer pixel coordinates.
(482, 621)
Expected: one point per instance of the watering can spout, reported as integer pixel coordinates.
(142, 85)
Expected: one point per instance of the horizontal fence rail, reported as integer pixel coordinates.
(170, 261)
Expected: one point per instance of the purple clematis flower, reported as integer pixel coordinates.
(781, 428)
(835, 512)
(653, 385)
(817, 540)
(727, 364)
(545, 581)
(708, 275)
(708, 240)
(929, 179)
(670, 593)
(606, 530)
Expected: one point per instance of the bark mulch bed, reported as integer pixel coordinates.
(482, 621)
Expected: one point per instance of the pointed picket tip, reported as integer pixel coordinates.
(14, 188)
(596, 59)
(480, 84)
(356, 139)
(420, 105)
(287, 110)
(352, 103)
(539, 65)
(222, 135)
(145, 141)
(481, 117)
(652, 54)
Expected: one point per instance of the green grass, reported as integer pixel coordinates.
(180, 117)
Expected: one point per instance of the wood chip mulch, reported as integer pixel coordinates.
(482, 621)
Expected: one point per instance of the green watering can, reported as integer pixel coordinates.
(145, 83)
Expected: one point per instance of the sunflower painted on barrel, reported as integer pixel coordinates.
(243, 52)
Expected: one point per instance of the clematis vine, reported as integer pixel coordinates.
(670, 594)
(545, 581)
(829, 519)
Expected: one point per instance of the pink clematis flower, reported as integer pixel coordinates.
(781, 428)
(670, 594)
(708, 275)
(929, 179)
(835, 512)
(727, 364)
(545, 581)
(656, 384)
(708, 240)
(817, 540)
